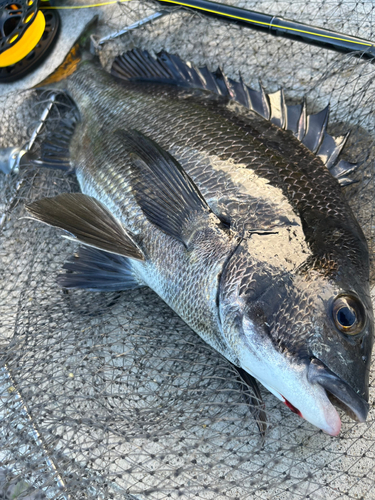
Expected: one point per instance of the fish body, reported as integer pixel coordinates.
(243, 232)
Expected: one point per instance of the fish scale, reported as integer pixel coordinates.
(153, 117)
(167, 269)
(239, 227)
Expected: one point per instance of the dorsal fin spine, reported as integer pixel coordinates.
(167, 68)
(302, 122)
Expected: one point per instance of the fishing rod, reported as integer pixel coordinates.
(28, 30)
(276, 25)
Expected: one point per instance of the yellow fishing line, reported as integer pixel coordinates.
(82, 6)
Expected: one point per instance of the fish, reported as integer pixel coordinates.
(227, 203)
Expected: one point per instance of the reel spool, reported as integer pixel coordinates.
(26, 36)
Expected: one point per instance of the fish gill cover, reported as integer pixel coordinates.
(111, 395)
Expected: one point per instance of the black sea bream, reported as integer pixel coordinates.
(233, 221)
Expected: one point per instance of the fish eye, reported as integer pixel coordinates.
(348, 314)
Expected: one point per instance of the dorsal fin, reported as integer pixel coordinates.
(139, 65)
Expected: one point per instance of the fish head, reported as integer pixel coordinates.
(306, 336)
(342, 340)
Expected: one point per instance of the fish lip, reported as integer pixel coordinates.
(353, 404)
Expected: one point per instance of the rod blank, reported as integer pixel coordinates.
(279, 26)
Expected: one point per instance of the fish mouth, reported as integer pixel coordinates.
(338, 392)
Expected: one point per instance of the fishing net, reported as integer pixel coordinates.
(111, 395)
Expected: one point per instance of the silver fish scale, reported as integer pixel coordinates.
(214, 178)
(187, 281)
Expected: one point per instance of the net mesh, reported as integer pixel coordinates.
(111, 395)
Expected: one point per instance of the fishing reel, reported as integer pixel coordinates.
(27, 33)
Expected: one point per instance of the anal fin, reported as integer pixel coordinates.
(98, 271)
(88, 221)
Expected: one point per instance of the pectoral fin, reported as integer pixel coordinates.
(88, 221)
(166, 194)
